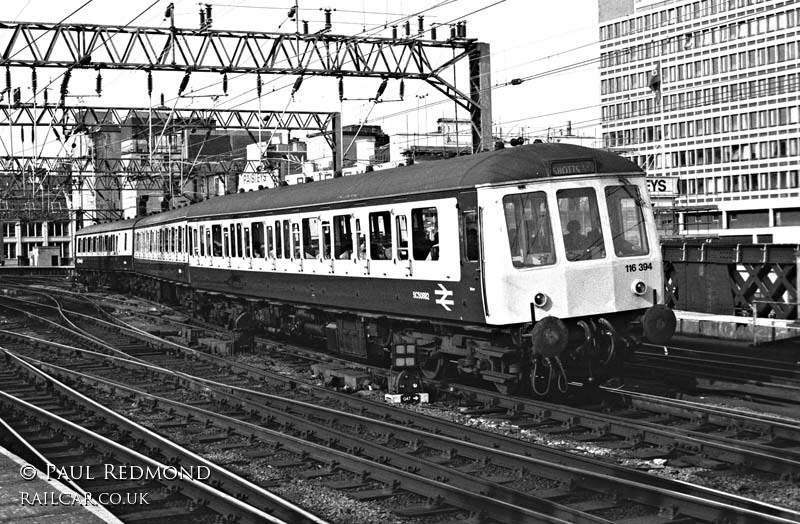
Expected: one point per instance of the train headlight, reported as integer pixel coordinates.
(639, 288)
(540, 300)
(549, 337)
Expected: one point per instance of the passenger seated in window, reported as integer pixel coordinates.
(574, 240)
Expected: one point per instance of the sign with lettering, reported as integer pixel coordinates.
(572, 167)
(662, 186)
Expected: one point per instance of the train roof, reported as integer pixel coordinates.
(496, 167)
(108, 227)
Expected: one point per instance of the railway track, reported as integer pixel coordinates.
(723, 374)
(440, 454)
(139, 476)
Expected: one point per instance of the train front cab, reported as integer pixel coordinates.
(576, 261)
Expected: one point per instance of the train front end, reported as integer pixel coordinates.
(573, 262)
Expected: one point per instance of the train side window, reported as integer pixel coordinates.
(310, 237)
(530, 236)
(287, 240)
(401, 225)
(230, 233)
(380, 236)
(238, 236)
(226, 243)
(425, 233)
(192, 240)
(342, 237)
(268, 249)
(259, 249)
(325, 240)
(580, 224)
(216, 240)
(362, 241)
(202, 241)
(278, 240)
(627, 221)
(471, 249)
(296, 242)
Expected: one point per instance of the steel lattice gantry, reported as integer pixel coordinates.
(177, 49)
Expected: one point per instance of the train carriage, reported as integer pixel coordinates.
(105, 249)
(527, 267)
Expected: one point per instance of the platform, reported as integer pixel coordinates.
(728, 327)
(42, 501)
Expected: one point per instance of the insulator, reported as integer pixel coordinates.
(420, 24)
(98, 83)
(202, 19)
(258, 84)
(45, 96)
(17, 98)
(162, 99)
(184, 82)
(305, 27)
(394, 31)
(34, 81)
(149, 83)
(8, 79)
(341, 89)
(462, 33)
(292, 12)
(381, 88)
(297, 84)
(452, 31)
(208, 16)
(65, 83)
(433, 32)
(402, 89)
(168, 12)
(225, 83)
(408, 28)
(327, 19)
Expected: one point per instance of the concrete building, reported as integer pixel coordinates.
(703, 94)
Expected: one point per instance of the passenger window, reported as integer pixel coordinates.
(627, 221)
(580, 224)
(287, 240)
(180, 239)
(233, 241)
(216, 234)
(342, 237)
(401, 224)
(278, 240)
(226, 243)
(238, 236)
(471, 249)
(530, 236)
(296, 240)
(425, 233)
(259, 249)
(192, 248)
(310, 237)
(202, 241)
(362, 241)
(380, 236)
(247, 242)
(325, 240)
(270, 246)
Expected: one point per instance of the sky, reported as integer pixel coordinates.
(527, 38)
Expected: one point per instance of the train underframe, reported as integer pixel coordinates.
(537, 359)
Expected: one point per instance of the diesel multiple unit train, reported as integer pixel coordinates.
(528, 267)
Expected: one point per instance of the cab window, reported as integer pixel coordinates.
(627, 221)
(530, 236)
(580, 224)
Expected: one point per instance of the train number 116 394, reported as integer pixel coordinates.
(633, 268)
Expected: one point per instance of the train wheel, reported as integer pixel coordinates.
(433, 367)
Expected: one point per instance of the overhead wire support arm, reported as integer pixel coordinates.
(234, 52)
